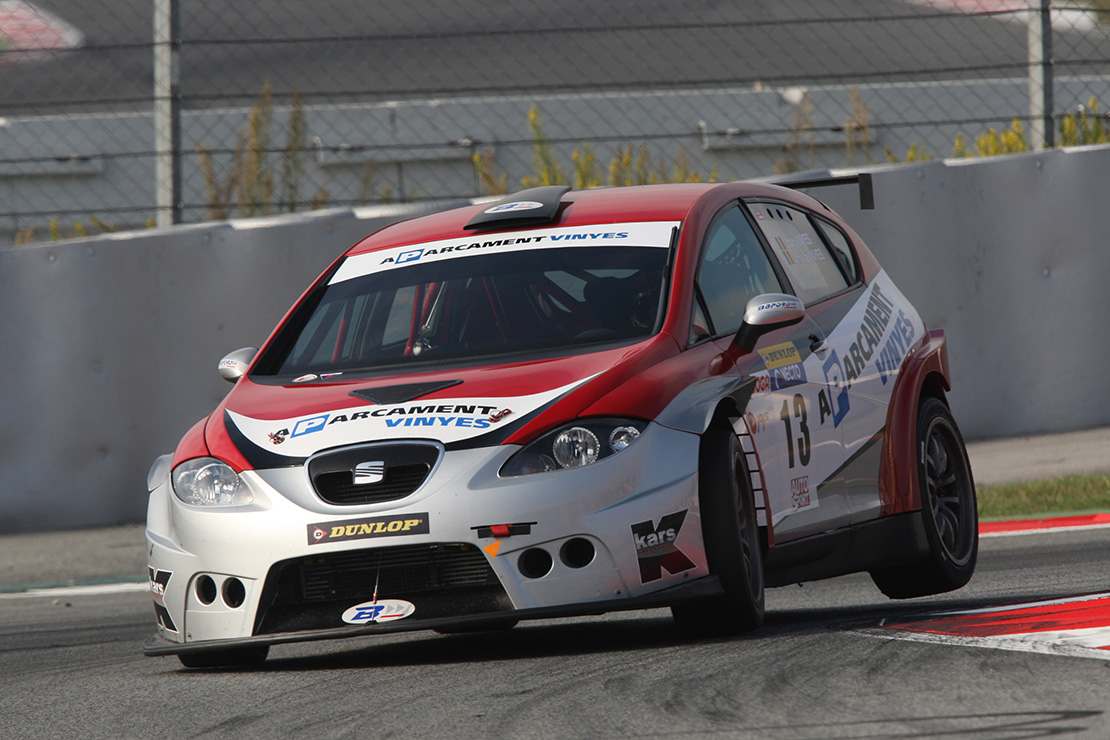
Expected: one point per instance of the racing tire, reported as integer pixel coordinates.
(948, 510)
(237, 658)
(733, 546)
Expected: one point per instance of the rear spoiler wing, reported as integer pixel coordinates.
(863, 179)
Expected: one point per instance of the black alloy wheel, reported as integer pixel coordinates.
(948, 509)
(733, 545)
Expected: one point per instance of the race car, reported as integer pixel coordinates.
(566, 403)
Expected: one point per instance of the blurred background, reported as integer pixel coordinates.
(173, 175)
(126, 113)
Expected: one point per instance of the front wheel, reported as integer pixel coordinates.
(948, 510)
(732, 543)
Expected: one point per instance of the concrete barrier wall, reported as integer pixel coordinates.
(110, 344)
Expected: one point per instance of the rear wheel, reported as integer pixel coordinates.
(948, 511)
(239, 657)
(732, 542)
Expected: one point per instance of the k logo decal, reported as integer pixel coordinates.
(656, 550)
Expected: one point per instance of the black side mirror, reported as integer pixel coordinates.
(767, 312)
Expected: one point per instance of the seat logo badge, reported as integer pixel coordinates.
(367, 473)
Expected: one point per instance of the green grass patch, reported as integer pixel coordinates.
(1073, 494)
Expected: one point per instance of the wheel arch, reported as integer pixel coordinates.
(728, 415)
(924, 373)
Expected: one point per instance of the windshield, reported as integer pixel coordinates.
(472, 307)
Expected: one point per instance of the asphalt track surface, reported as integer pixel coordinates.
(71, 666)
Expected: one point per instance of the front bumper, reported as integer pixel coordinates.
(623, 533)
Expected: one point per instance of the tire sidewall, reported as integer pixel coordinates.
(958, 571)
(728, 519)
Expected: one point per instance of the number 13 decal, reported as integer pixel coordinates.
(803, 441)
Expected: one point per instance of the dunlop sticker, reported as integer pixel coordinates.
(362, 529)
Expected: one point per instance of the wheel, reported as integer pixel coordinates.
(239, 657)
(948, 510)
(732, 542)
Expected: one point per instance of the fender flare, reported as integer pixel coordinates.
(722, 399)
(924, 372)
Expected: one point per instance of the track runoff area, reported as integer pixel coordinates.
(1077, 625)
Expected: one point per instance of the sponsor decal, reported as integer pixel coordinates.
(445, 420)
(472, 416)
(757, 422)
(362, 529)
(376, 612)
(784, 365)
(835, 402)
(306, 378)
(497, 416)
(897, 345)
(799, 250)
(762, 383)
(519, 205)
(777, 304)
(840, 372)
(415, 255)
(799, 493)
(325, 376)
(310, 425)
(159, 580)
(780, 355)
(640, 234)
(656, 549)
(162, 614)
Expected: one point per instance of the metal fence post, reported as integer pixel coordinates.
(1042, 130)
(167, 113)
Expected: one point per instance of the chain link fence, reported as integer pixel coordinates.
(126, 113)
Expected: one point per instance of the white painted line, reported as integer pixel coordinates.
(98, 590)
(995, 643)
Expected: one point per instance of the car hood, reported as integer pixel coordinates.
(277, 425)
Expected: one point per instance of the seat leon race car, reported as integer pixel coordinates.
(566, 403)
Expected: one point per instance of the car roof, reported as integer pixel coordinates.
(664, 202)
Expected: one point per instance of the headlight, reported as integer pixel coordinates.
(574, 446)
(206, 481)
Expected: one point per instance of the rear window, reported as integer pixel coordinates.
(812, 270)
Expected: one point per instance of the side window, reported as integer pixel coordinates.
(811, 268)
(733, 269)
(841, 249)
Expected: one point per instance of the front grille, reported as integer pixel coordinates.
(406, 467)
(398, 570)
(441, 580)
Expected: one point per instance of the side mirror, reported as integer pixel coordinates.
(765, 313)
(234, 365)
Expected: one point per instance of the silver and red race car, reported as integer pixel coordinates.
(566, 403)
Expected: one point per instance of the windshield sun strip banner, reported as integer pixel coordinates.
(639, 234)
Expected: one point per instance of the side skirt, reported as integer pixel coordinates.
(879, 543)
